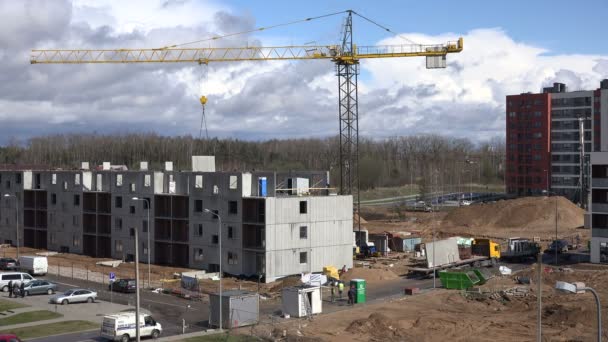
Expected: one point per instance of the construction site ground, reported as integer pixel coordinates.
(428, 316)
(444, 314)
(450, 315)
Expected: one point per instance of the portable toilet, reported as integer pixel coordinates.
(300, 301)
(262, 183)
(360, 290)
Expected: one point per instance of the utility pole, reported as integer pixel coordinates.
(220, 260)
(581, 129)
(147, 201)
(137, 336)
(539, 317)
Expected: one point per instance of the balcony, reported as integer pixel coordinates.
(599, 182)
(599, 207)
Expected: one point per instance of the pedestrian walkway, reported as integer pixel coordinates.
(189, 335)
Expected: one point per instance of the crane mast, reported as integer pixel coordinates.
(347, 71)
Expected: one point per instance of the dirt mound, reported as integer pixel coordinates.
(378, 326)
(286, 282)
(369, 274)
(535, 214)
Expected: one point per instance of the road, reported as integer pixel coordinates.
(434, 198)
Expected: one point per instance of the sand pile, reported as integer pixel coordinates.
(369, 274)
(356, 219)
(378, 326)
(535, 215)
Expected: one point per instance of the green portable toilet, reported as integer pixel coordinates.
(360, 286)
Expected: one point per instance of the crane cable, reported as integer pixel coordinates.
(254, 30)
(384, 28)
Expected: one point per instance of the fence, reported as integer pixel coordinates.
(75, 271)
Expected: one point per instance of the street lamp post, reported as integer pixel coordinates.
(148, 202)
(220, 260)
(137, 336)
(434, 246)
(581, 288)
(17, 215)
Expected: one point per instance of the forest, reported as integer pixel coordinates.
(389, 162)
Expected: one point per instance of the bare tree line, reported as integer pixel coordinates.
(389, 162)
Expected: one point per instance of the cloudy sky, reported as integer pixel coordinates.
(513, 47)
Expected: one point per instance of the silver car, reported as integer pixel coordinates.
(74, 296)
(39, 287)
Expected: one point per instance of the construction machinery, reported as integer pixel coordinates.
(345, 56)
(445, 254)
(519, 249)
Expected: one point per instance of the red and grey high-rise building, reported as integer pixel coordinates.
(545, 152)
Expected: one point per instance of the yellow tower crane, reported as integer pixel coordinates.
(345, 56)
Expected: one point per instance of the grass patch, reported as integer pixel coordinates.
(58, 328)
(30, 316)
(10, 305)
(378, 193)
(222, 338)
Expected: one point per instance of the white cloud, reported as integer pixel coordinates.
(253, 100)
(145, 15)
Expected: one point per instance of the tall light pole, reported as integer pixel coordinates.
(434, 247)
(17, 215)
(539, 300)
(220, 261)
(470, 162)
(137, 337)
(145, 200)
(581, 288)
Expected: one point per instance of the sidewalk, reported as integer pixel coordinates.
(189, 335)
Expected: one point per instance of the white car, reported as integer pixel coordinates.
(15, 277)
(465, 202)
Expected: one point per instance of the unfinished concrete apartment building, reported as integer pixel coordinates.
(273, 224)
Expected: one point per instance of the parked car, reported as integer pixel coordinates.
(560, 245)
(465, 202)
(15, 277)
(123, 285)
(8, 264)
(33, 264)
(9, 338)
(39, 287)
(74, 296)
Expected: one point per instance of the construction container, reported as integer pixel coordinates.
(239, 308)
(381, 243)
(360, 290)
(459, 280)
(406, 244)
(301, 301)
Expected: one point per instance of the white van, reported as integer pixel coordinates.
(34, 265)
(121, 326)
(15, 277)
